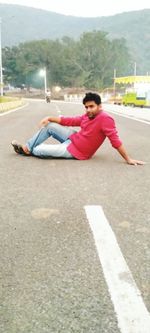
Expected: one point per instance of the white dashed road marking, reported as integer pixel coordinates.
(57, 108)
(130, 309)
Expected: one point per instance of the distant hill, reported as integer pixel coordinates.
(21, 24)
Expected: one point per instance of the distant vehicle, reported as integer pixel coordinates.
(137, 92)
(117, 99)
(135, 99)
(48, 96)
(48, 99)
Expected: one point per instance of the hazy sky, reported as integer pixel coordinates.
(84, 7)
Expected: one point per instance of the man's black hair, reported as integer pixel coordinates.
(92, 97)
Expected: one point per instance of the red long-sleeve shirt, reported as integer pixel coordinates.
(92, 134)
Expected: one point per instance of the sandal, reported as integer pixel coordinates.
(18, 148)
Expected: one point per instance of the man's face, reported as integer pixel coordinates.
(92, 109)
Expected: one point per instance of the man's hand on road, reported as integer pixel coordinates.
(135, 162)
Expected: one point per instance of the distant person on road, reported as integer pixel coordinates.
(95, 126)
(48, 96)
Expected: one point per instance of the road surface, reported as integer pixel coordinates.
(75, 250)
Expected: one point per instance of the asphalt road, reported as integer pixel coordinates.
(51, 277)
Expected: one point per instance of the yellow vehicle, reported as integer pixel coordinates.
(117, 99)
(133, 99)
(137, 91)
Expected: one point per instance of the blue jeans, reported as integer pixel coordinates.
(58, 132)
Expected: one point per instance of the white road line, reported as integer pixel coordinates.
(131, 312)
(57, 108)
(130, 117)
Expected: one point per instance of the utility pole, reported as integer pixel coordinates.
(135, 69)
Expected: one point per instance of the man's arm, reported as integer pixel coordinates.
(64, 121)
(109, 128)
(122, 151)
(46, 120)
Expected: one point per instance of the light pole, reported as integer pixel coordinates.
(1, 67)
(43, 73)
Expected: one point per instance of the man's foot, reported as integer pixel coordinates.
(19, 149)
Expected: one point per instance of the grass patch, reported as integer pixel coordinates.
(6, 99)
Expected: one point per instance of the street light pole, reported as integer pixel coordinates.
(1, 67)
(45, 80)
(44, 74)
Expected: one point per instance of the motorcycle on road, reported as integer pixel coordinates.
(48, 99)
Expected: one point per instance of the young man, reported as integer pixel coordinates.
(95, 125)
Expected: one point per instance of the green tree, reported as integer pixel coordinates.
(88, 62)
